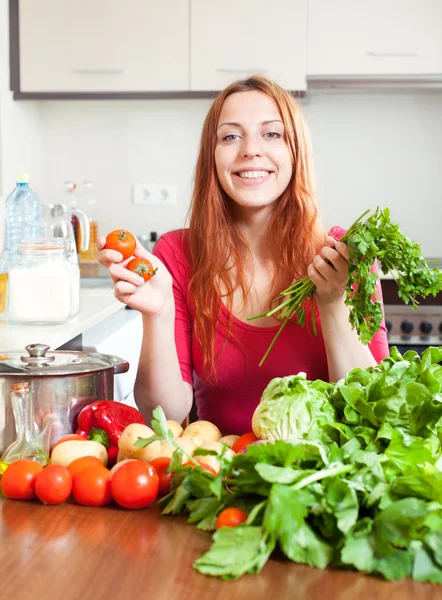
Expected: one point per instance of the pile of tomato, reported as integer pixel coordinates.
(135, 484)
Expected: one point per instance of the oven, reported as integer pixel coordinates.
(410, 329)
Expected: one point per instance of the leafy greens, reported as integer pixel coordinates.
(360, 489)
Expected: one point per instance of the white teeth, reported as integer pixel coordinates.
(253, 174)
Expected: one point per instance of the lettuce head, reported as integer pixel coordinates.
(293, 408)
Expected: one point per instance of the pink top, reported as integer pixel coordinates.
(230, 402)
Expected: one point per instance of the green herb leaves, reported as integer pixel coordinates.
(375, 237)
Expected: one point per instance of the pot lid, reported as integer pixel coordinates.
(36, 362)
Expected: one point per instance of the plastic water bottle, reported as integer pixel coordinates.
(22, 212)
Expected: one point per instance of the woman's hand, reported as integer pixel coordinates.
(152, 298)
(329, 271)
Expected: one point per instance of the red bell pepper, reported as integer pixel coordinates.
(104, 422)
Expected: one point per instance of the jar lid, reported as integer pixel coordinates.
(58, 362)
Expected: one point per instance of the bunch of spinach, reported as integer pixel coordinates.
(368, 498)
(369, 238)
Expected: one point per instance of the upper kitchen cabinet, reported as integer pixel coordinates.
(232, 39)
(399, 38)
(102, 45)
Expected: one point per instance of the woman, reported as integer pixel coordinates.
(254, 229)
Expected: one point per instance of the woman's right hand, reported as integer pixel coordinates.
(152, 298)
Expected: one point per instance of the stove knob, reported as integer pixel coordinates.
(389, 326)
(406, 327)
(426, 327)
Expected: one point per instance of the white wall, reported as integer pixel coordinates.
(20, 129)
(370, 148)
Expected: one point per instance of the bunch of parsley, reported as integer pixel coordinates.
(369, 497)
(369, 238)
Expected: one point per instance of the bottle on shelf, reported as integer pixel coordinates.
(71, 201)
(89, 204)
(22, 216)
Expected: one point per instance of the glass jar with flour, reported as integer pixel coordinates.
(44, 284)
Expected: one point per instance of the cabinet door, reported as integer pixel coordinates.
(376, 37)
(103, 45)
(233, 39)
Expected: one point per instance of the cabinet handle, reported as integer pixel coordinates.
(391, 54)
(97, 71)
(241, 70)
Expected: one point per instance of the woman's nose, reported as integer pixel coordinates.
(252, 146)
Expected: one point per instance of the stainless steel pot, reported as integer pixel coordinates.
(61, 383)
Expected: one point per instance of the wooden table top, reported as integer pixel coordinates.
(71, 552)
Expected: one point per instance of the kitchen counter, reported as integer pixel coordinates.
(67, 552)
(95, 306)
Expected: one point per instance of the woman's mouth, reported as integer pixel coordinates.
(252, 177)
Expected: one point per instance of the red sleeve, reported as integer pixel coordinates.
(379, 343)
(172, 257)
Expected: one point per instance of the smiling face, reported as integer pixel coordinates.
(252, 159)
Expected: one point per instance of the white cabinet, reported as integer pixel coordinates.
(103, 45)
(376, 37)
(233, 39)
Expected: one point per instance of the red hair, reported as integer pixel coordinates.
(294, 228)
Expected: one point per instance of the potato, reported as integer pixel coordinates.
(121, 463)
(175, 428)
(206, 430)
(66, 452)
(194, 436)
(186, 444)
(229, 440)
(211, 461)
(130, 435)
(149, 452)
(120, 456)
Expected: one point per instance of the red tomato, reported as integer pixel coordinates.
(18, 481)
(92, 486)
(121, 241)
(207, 468)
(81, 463)
(135, 485)
(53, 485)
(243, 441)
(161, 465)
(70, 437)
(142, 267)
(231, 517)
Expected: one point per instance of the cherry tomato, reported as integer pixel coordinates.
(161, 465)
(243, 441)
(92, 486)
(18, 481)
(53, 485)
(135, 485)
(142, 267)
(231, 517)
(81, 463)
(207, 468)
(70, 437)
(121, 241)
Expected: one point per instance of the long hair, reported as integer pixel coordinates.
(294, 227)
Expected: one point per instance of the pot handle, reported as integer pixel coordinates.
(120, 365)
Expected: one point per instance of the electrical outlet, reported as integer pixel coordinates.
(166, 195)
(155, 193)
(143, 193)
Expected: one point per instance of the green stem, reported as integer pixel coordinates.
(323, 474)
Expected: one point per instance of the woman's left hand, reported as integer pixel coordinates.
(330, 277)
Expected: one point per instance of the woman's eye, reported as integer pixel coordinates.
(230, 138)
(273, 135)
